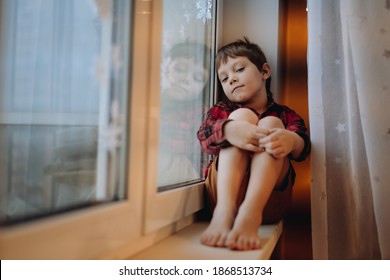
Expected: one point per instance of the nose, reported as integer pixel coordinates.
(232, 80)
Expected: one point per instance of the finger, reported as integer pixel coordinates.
(268, 139)
(263, 140)
(264, 131)
(278, 156)
(260, 136)
(254, 142)
(271, 145)
(278, 152)
(276, 130)
(252, 148)
(273, 151)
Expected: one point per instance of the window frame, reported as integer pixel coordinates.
(168, 206)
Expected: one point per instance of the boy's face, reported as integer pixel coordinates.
(185, 79)
(242, 82)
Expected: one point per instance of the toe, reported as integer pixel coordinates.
(221, 241)
(232, 241)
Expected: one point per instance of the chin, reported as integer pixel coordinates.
(237, 99)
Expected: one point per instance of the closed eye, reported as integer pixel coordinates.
(240, 69)
(223, 79)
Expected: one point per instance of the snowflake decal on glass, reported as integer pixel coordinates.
(204, 9)
(114, 129)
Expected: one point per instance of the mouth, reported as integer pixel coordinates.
(237, 87)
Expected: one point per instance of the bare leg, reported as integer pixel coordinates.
(232, 165)
(244, 234)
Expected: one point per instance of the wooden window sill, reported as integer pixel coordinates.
(185, 245)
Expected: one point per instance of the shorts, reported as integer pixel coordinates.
(278, 203)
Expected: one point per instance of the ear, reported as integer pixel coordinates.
(266, 71)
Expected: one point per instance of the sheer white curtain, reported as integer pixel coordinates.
(349, 99)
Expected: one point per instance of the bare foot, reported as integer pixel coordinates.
(216, 233)
(244, 234)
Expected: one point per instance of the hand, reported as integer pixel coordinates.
(279, 143)
(244, 135)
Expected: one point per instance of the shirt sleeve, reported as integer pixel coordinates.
(295, 123)
(210, 133)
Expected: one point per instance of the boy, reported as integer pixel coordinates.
(250, 180)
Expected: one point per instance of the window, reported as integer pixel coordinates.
(184, 92)
(111, 94)
(183, 39)
(65, 80)
(63, 106)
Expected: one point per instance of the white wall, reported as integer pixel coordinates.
(259, 21)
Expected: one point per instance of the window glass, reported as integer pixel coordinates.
(185, 83)
(63, 105)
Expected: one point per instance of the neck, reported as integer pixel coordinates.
(260, 104)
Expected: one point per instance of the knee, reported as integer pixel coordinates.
(271, 122)
(244, 114)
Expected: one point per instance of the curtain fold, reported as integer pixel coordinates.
(349, 91)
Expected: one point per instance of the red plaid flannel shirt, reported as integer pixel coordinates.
(211, 130)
